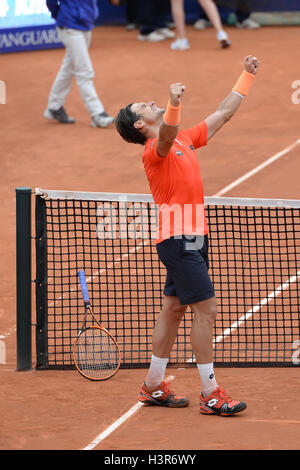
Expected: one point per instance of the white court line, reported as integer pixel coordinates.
(257, 307)
(235, 325)
(118, 423)
(260, 167)
(113, 426)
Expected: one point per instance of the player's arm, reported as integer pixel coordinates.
(232, 102)
(169, 128)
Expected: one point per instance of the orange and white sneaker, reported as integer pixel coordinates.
(162, 396)
(219, 403)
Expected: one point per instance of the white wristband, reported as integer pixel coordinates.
(241, 96)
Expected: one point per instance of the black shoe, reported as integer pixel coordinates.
(60, 115)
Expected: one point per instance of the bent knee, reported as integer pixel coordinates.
(178, 313)
(174, 310)
(207, 309)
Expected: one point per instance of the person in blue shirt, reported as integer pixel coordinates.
(75, 21)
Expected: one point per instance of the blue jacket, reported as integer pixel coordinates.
(74, 14)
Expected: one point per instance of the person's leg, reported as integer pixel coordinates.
(205, 313)
(132, 12)
(163, 338)
(177, 9)
(243, 16)
(202, 21)
(155, 390)
(162, 10)
(213, 399)
(63, 81)
(148, 26)
(212, 12)
(242, 11)
(78, 43)
(165, 330)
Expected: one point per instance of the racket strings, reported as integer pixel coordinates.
(96, 354)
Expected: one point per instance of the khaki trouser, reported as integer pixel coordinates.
(76, 63)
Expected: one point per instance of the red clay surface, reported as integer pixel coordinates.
(61, 410)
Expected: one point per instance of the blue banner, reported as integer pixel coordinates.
(26, 25)
(29, 38)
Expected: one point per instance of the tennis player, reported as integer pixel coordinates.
(174, 177)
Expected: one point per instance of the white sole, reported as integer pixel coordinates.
(48, 115)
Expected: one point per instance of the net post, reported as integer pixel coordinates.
(41, 284)
(23, 259)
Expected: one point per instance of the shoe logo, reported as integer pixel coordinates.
(157, 394)
(211, 376)
(212, 402)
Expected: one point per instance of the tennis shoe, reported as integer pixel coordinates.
(102, 120)
(162, 396)
(219, 403)
(247, 24)
(201, 24)
(59, 115)
(180, 44)
(152, 37)
(166, 32)
(223, 39)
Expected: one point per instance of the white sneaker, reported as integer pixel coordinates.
(180, 45)
(202, 24)
(152, 37)
(102, 120)
(247, 24)
(223, 39)
(166, 32)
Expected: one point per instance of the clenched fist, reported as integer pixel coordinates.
(251, 64)
(176, 93)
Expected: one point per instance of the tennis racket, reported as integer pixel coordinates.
(96, 353)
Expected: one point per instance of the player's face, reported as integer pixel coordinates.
(149, 112)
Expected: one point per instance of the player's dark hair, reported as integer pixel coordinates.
(125, 126)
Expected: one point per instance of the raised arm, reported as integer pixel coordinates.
(169, 128)
(232, 102)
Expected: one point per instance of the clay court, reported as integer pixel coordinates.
(60, 410)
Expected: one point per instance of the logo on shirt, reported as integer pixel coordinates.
(178, 152)
(192, 147)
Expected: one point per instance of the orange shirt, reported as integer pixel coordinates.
(176, 184)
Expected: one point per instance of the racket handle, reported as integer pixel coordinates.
(84, 288)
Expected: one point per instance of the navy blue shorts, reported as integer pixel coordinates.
(186, 260)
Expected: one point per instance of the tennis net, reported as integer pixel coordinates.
(254, 266)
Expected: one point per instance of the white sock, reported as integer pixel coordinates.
(207, 376)
(156, 371)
